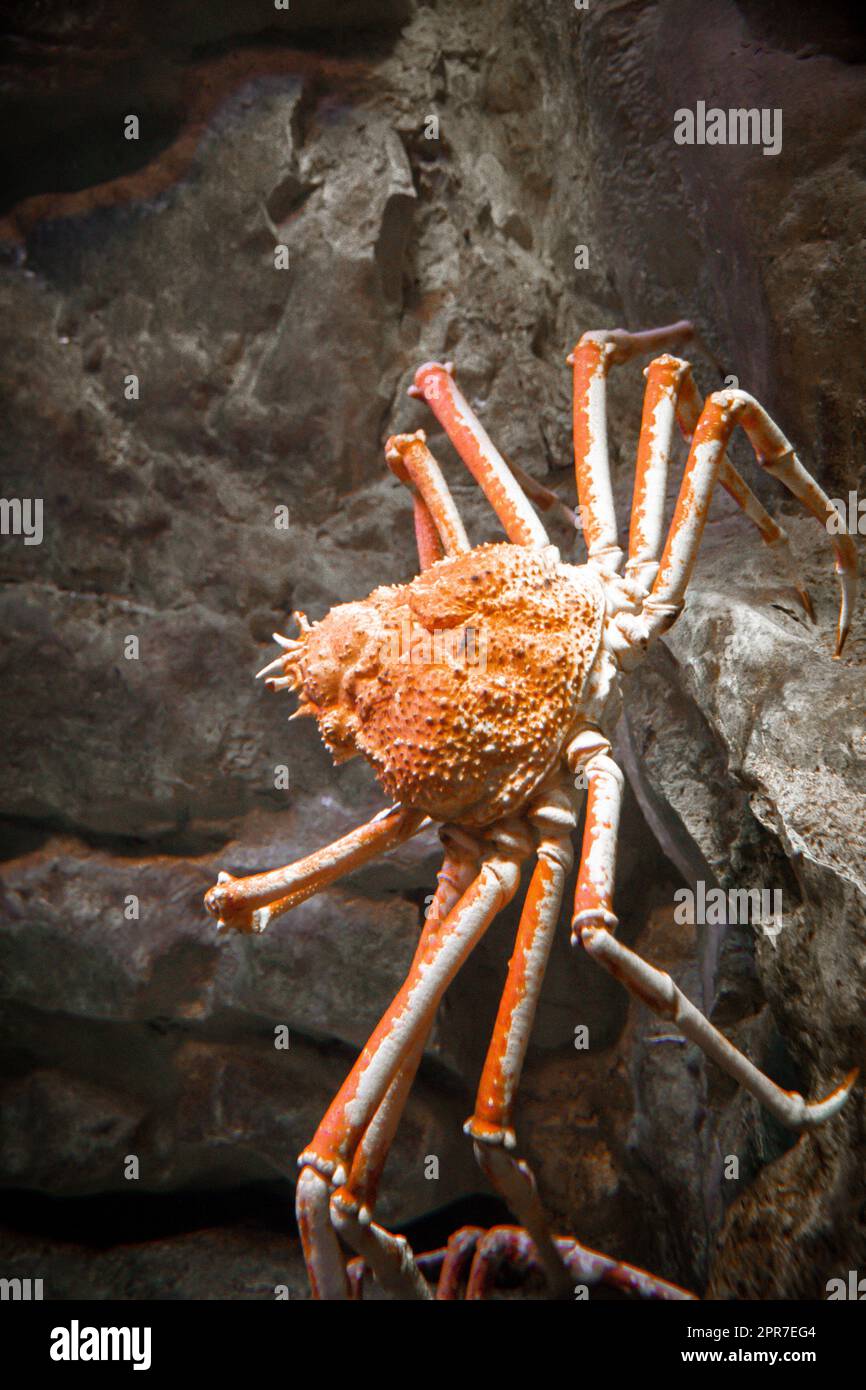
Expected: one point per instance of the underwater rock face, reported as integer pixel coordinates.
(261, 389)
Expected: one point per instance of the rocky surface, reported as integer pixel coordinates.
(260, 389)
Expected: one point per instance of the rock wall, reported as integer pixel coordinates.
(261, 389)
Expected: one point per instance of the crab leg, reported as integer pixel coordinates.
(388, 1256)
(689, 405)
(490, 1126)
(544, 498)
(722, 411)
(250, 904)
(411, 461)
(774, 453)
(432, 970)
(656, 989)
(670, 392)
(435, 384)
(458, 870)
(594, 923)
(326, 1268)
(404, 1025)
(592, 358)
(664, 376)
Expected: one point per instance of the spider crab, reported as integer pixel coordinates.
(492, 750)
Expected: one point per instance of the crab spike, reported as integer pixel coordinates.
(283, 682)
(304, 710)
(289, 643)
(278, 664)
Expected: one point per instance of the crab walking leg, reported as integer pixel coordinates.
(664, 377)
(326, 1267)
(457, 1258)
(502, 1247)
(390, 1257)
(594, 923)
(491, 1124)
(671, 391)
(406, 1022)
(593, 895)
(774, 453)
(544, 498)
(333, 1147)
(435, 384)
(427, 537)
(458, 870)
(508, 1248)
(722, 411)
(249, 904)
(591, 359)
(689, 406)
(592, 1268)
(411, 461)
(657, 990)
(665, 601)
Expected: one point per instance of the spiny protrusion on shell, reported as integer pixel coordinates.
(287, 663)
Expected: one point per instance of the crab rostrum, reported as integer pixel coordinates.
(482, 694)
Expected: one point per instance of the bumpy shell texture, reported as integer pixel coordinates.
(461, 687)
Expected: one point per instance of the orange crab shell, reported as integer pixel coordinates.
(461, 687)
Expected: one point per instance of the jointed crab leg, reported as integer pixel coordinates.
(594, 923)
(509, 1247)
(435, 384)
(671, 392)
(777, 456)
(388, 1256)
(399, 1032)
(592, 358)
(459, 868)
(326, 1268)
(249, 904)
(490, 1125)
(689, 406)
(544, 498)
(409, 458)
(656, 989)
(664, 378)
(446, 948)
(721, 413)
(484, 1255)
(593, 895)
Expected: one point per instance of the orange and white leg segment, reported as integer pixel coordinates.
(434, 383)
(438, 527)
(250, 904)
(657, 990)
(721, 413)
(491, 1124)
(594, 924)
(689, 406)
(388, 1256)
(591, 359)
(444, 946)
(665, 379)
(593, 895)
(774, 453)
